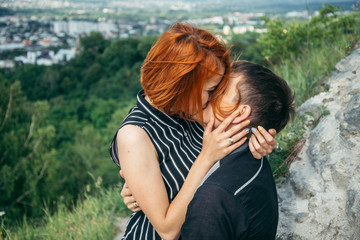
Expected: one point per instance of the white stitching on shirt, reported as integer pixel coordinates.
(251, 179)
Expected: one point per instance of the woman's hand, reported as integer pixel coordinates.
(129, 199)
(262, 142)
(224, 139)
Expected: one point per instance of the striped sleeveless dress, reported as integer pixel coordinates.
(177, 141)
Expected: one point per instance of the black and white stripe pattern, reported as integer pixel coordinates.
(177, 141)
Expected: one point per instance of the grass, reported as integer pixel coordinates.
(290, 142)
(306, 74)
(93, 218)
(96, 216)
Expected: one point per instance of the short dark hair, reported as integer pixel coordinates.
(269, 96)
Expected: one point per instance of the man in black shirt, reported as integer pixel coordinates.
(238, 198)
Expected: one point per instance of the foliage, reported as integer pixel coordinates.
(291, 140)
(303, 53)
(26, 151)
(291, 39)
(57, 122)
(305, 74)
(93, 218)
(245, 46)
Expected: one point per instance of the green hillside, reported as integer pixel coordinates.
(57, 122)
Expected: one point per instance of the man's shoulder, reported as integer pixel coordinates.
(238, 171)
(213, 206)
(234, 194)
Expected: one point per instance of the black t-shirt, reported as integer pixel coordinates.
(237, 201)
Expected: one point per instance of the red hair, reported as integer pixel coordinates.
(177, 67)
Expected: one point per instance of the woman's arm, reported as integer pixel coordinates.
(262, 144)
(141, 170)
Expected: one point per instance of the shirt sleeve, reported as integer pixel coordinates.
(213, 214)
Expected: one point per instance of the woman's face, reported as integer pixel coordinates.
(228, 100)
(209, 87)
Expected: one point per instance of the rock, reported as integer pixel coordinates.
(301, 217)
(349, 65)
(320, 199)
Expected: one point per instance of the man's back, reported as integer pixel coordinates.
(237, 201)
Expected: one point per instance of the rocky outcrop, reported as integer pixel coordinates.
(320, 199)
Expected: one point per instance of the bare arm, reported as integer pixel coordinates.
(260, 145)
(141, 170)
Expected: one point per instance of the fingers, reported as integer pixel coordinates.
(261, 142)
(239, 139)
(260, 139)
(209, 126)
(253, 150)
(236, 128)
(132, 204)
(136, 208)
(258, 147)
(237, 144)
(272, 132)
(129, 199)
(273, 141)
(227, 121)
(266, 141)
(240, 135)
(125, 191)
(269, 136)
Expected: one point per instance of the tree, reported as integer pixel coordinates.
(26, 143)
(285, 40)
(121, 53)
(91, 48)
(30, 78)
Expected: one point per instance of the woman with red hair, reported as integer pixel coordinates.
(164, 154)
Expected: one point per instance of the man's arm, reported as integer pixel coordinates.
(213, 214)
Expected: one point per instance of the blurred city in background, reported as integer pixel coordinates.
(70, 72)
(47, 32)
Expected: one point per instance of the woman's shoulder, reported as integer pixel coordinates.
(130, 131)
(128, 135)
(132, 128)
(132, 136)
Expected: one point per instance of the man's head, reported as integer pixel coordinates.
(262, 97)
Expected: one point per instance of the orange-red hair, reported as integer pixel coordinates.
(177, 67)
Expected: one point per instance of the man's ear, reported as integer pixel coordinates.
(245, 111)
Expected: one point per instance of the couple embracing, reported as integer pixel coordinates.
(192, 150)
